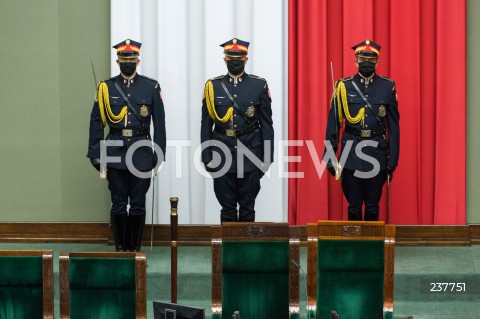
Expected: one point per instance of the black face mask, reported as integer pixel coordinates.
(235, 66)
(366, 68)
(127, 68)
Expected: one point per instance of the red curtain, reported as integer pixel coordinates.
(424, 51)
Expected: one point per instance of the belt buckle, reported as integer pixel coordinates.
(366, 133)
(230, 133)
(127, 133)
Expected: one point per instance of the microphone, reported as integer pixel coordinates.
(236, 315)
(297, 264)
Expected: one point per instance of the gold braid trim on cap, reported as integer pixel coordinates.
(341, 95)
(209, 100)
(104, 106)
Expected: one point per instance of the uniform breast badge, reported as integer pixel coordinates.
(250, 111)
(144, 111)
(382, 111)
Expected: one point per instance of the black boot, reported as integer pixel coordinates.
(354, 216)
(371, 216)
(227, 218)
(118, 225)
(136, 223)
(246, 217)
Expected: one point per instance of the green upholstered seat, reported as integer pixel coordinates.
(350, 269)
(255, 279)
(21, 287)
(255, 271)
(22, 279)
(100, 286)
(350, 278)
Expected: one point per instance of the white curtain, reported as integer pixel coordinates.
(180, 48)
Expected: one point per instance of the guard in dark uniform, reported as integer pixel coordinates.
(367, 103)
(237, 114)
(128, 103)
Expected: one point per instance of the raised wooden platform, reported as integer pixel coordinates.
(193, 235)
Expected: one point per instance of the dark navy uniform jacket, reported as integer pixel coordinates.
(143, 93)
(251, 93)
(382, 96)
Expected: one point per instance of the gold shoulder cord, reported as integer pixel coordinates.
(209, 99)
(341, 95)
(335, 95)
(104, 106)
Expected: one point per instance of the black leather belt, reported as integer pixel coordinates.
(365, 133)
(239, 132)
(129, 132)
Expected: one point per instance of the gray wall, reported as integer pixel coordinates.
(473, 112)
(46, 93)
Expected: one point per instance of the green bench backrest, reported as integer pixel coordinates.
(21, 287)
(350, 278)
(99, 285)
(255, 279)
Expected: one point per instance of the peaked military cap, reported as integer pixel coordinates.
(128, 48)
(367, 48)
(235, 47)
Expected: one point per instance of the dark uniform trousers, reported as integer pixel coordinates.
(363, 190)
(230, 190)
(123, 185)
